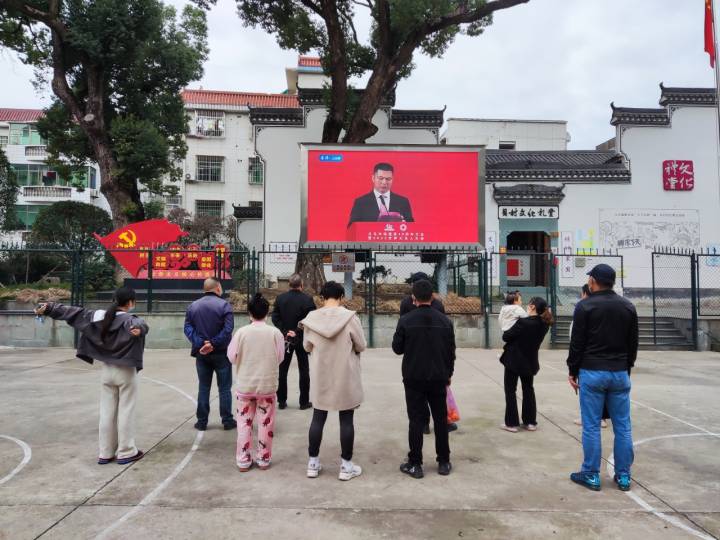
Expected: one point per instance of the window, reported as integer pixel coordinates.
(27, 214)
(209, 208)
(255, 204)
(256, 170)
(210, 123)
(37, 175)
(25, 134)
(209, 169)
(172, 202)
(3, 141)
(507, 145)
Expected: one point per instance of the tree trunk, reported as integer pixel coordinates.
(361, 126)
(337, 64)
(311, 269)
(125, 204)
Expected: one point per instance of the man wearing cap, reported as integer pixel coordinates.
(603, 348)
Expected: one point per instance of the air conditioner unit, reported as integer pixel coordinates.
(190, 179)
(94, 193)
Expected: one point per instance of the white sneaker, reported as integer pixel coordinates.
(578, 421)
(349, 474)
(509, 428)
(603, 423)
(313, 471)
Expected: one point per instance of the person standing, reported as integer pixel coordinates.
(520, 358)
(290, 308)
(115, 338)
(209, 325)
(256, 350)
(426, 339)
(334, 336)
(603, 349)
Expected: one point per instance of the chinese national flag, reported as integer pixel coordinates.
(709, 32)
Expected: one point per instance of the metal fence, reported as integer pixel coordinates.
(708, 283)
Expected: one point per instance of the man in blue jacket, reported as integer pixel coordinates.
(209, 326)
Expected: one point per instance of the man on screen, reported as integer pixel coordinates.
(380, 204)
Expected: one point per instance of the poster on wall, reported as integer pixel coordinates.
(376, 195)
(644, 229)
(491, 246)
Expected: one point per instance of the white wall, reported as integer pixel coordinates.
(528, 135)
(669, 215)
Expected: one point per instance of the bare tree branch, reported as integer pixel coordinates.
(368, 4)
(316, 8)
(351, 24)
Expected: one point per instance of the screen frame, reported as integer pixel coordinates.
(306, 148)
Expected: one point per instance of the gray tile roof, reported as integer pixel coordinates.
(570, 166)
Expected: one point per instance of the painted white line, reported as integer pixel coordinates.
(155, 492)
(641, 502)
(178, 390)
(27, 456)
(165, 483)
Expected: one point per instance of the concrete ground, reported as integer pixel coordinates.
(503, 485)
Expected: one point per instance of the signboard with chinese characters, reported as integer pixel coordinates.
(343, 262)
(678, 175)
(567, 245)
(528, 212)
(283, 252)
(644, 228)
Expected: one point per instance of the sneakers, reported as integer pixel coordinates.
(588, 480)
(444, 468)
(348, 473)
(426, 429)
(306, 406)
(415, 471)
(530, 427)
(200, 426)
(603, 423)
(282, 405)
(622, 481)
(578, 421)
(452, 426)
(313, 469)
(263, 465)
(136, 457)
(509, 428)
(230, 426)
(105, 460)
(245, 467)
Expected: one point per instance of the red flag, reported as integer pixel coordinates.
(709, 32)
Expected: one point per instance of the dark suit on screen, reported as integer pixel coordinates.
(365, 208)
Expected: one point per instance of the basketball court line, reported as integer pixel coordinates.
(27, 456)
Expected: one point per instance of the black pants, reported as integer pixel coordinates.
(418, 395)
(347, 433)
(529, 410)
(303, 368)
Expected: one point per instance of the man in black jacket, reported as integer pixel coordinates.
(291, 308)
(426, 339)
(603, 348)
(380, 204)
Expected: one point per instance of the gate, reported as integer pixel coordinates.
(674, 292)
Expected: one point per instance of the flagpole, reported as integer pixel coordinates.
(717, 92)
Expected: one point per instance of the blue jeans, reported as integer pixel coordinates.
(207, 365)
(598, 388)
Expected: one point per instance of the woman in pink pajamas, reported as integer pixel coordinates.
(256, 350)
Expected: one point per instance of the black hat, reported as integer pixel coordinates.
(603, 274)
(417, 276)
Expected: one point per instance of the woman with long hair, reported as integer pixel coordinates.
(116, 339)
(520, 358)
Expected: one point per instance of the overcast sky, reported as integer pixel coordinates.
(548, 59)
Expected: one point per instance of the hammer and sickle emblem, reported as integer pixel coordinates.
(128, 237)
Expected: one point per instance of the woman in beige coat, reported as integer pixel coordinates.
(334, 337)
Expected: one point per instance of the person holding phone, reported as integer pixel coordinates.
(116, 338)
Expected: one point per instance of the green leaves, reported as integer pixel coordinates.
(69, 225)
(8, 194)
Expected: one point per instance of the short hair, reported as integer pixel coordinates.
(586, 290)
(258, 307)
(422, 290)
(210, 284)
(511, 297)
(295, 281)
(332, 289)
(383, 167)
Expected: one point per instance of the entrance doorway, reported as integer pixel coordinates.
(528, 259)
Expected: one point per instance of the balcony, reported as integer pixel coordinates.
(38, 153)
(46, 193)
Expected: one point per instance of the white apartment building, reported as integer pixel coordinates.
(40, 186)
(507, 134)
